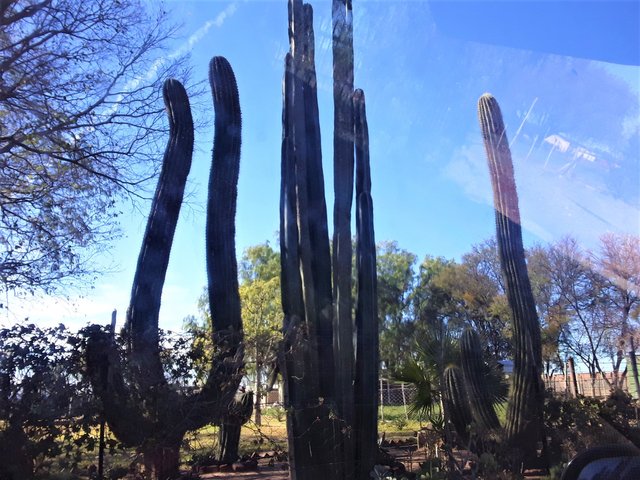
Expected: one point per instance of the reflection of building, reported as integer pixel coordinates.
(558, 143)
(572, 154)
(563, 145)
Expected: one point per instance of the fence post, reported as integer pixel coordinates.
(572, 374)
(404, 401)
(381, 400)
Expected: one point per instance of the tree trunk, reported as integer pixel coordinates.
(634, 367)
(257, 408)
(162, 461)
(574, 380)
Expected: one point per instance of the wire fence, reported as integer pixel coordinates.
(398, 394)
(596, 387)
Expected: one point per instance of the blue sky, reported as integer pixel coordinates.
(573, 125)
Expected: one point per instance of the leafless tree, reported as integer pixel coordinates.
(80, 118)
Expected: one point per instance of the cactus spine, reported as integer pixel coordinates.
(524, 415)
(474, 370)
(457, 402)
(144, 410)
(324, 377)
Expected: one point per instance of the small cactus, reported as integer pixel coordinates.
(457, 401)
(474, 370)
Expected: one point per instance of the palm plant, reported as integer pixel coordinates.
(437, 350)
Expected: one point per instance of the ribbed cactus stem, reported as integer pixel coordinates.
(343, 166)
(224, 299)
(457, 401)
(153, 260)
(474, 370)
(524, 415)
(317, 211)
(366, 366)
(306, 269)
(291, 284)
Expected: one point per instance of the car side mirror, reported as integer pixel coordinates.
(606, 462)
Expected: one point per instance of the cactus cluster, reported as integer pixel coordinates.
(330, 383)
(524, 414)
(142, 409)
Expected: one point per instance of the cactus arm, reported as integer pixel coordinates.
(224, 299)
(293, 357)
(139, 408)
(524, 414)
(144, 308)
(317, 213)
(299, 121)
(367, 357)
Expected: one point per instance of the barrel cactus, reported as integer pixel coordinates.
(524, 414)
(142, 409)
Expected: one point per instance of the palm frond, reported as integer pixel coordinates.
(427, 393)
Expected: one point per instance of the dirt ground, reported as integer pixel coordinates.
(269, 469)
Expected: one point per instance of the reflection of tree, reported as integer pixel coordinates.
(590, 301)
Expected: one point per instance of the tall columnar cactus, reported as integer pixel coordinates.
(142, 409)
(474, 370)
(457, 402)
(330, 390)
(343, 167)
(367, 344)
(222, 268)
(524, 415)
